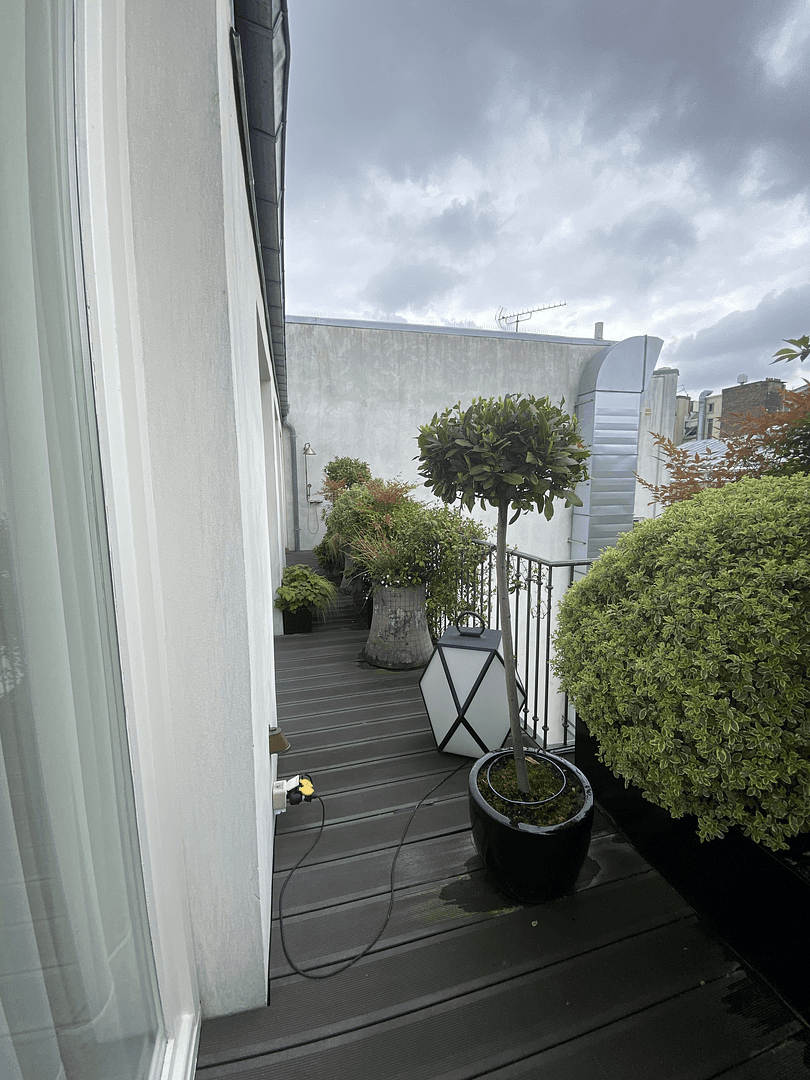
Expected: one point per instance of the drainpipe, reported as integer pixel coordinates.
(296, 523)
(701, 428)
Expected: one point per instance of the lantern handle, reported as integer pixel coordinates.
(470, 631)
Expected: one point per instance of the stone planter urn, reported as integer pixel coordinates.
(399, 638)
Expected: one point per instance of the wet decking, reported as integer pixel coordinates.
(619, 980)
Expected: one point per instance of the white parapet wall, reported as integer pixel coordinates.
(362, 389)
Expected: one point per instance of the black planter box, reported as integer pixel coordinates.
(298, 621)
(753, 898)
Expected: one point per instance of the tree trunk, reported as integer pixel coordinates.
(508, 649)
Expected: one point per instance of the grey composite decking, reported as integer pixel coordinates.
(620, 979)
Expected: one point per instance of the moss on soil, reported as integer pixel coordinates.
(544, 780)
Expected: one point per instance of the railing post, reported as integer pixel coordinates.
(477, 591)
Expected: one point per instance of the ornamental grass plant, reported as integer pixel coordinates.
(397, 541)
(432, 546)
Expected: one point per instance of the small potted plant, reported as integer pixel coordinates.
(531, 826)
(301, 593)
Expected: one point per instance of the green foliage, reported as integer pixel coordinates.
(518, 450)
(686, 649)
(349, 470)
(418, 544)
(302, 588)
(330, 555)
(342, 473)
(395, 540)
(356, 509)
(800, 350)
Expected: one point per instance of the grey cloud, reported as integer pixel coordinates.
(649, 242)
(462, 225)
(406, 86)
(409, 286)
(744, 342)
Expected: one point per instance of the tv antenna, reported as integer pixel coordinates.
(517, 317)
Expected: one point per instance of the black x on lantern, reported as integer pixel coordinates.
(464, 690)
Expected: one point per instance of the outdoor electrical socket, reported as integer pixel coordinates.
(295, 790)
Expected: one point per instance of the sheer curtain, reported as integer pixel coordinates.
(77, 991)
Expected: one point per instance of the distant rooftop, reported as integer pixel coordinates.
(704, 446)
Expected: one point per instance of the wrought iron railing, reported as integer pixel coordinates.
(536, 587)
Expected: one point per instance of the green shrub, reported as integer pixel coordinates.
(418, 544)
(686, 649)
(358, 507)
(342, 473)
(396, 540)
(302, 588)
(329, 553)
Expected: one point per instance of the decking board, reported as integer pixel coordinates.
(617, 979)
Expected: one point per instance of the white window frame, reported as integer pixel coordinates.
(112, 300)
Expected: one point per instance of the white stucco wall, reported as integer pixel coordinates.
(362, 391)
(190, 437)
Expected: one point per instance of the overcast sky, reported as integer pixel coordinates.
(645, 161)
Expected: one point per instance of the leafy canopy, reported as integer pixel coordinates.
(342, 473)
(686, 650)
(520, 451)
(761, 444)
(302, 588)
(800, 350)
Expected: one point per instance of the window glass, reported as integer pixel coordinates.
(78, 997)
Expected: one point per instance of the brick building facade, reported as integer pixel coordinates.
(745, 398)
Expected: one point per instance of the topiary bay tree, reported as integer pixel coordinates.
(686, 650)
(517, 453)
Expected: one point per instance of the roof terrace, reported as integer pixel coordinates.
(620, 978)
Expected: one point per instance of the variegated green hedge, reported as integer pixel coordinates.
(687, 650)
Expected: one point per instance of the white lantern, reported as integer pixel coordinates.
(464, 690)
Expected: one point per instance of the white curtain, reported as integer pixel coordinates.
(77, 991)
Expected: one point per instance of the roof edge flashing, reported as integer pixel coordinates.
(438, 328)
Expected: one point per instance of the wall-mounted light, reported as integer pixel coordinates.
(279, 743)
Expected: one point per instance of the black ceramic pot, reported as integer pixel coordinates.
(298, 621)
(530, 863)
